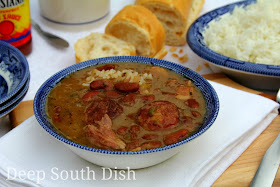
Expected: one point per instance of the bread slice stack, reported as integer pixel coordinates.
(138, 25)
(142, 29)
(175, 15)
(97, 45)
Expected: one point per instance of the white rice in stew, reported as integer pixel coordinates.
(124, 75)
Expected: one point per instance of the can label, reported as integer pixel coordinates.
(15, 24)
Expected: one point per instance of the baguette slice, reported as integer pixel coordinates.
(139, 26)
(97, 45)
(175, 15)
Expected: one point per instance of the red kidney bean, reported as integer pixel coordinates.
(57, 118)
(192, 103)
(90, 95)
(134, 144)
(175, 136)
(57, 110)
(186, 119)
(196, 114)
(168, 93)
(113, 94)
(127, 86)
(129, 99)
(150, 136)
(133, 136)
(134, 129)
(148, 97)
(97, 84)
(131, 116)
(106, 67)
(122, 130)
(151, 145)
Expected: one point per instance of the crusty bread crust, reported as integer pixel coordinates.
(175, 15)
(139, 26)
(78, 60)
(182, 6)
(194, 12)
(161, 53)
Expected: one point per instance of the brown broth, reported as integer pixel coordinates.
(66, 109)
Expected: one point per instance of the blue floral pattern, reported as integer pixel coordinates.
(14, 71)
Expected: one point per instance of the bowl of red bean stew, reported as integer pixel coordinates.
(126, 111)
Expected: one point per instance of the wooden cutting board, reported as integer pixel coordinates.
(241, 172)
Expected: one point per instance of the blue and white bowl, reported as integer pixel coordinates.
(9, 105)
(124, 159)
(14, 71)
(256, 76)
(15, 102)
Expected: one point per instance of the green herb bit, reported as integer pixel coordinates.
(151, 111)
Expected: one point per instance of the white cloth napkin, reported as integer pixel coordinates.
(241, 119)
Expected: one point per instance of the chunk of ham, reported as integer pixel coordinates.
(102, 135)
(184, 92)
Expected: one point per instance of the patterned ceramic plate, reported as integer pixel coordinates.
(14, 71)
(15, 97)
(12, 106)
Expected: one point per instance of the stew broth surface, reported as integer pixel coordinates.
(115, 115)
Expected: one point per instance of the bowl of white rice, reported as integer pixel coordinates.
(243, 41)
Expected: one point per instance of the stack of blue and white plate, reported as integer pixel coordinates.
(14, 77)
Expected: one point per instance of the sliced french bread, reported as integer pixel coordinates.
(139, 26)
(175, 15)
(97, 45)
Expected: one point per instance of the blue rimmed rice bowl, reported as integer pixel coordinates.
(254, 75)
(124, 159)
